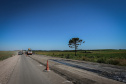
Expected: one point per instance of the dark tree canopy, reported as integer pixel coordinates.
(74, 42)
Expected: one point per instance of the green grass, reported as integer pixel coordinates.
(115, 57)
(6, 54)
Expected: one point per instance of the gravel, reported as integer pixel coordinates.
(6, 68)
(81, 76)
(109, 71)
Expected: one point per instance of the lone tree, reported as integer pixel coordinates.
(74, 42)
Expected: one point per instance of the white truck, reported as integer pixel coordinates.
(29, 52)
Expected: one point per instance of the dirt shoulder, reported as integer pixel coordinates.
(6, 68)
(77, 76)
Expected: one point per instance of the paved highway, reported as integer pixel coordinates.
(28, 71)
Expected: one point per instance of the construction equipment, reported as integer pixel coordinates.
(29, 52)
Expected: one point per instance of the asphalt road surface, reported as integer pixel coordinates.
(28, 71)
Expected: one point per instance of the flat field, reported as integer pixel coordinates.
(115, 57)
(6, 54)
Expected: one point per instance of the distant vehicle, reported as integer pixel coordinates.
(20, 53)
(29, 52)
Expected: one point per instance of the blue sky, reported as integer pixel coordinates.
(49, 24)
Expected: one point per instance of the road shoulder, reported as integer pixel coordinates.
(6, 68)
(77, 76)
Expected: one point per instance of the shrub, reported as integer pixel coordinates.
(62, 55)
(68, 56)
(84, 58)
(53, 54)
(101, 60)
(113, 61)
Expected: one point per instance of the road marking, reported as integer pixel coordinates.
(66, 81)
(40, 65)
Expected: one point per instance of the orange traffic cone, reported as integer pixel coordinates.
(47, 66)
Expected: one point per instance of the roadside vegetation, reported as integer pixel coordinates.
(6, 54)
(115, 57)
